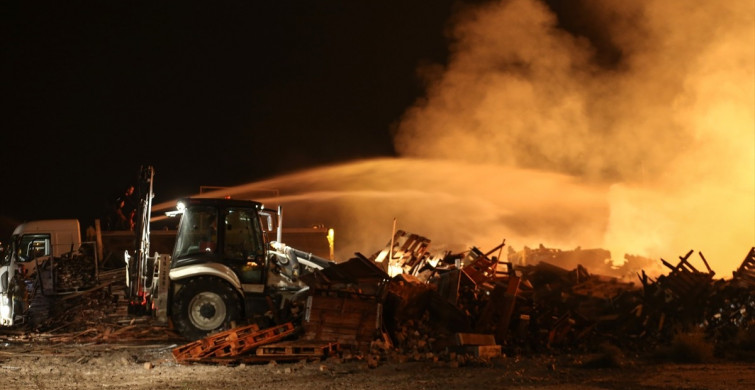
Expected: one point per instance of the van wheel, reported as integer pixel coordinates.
(204, 305)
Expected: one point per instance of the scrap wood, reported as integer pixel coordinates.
(71, 336)
(407, 297)
(140, 333)
(684, 265)
(479, 267)
(121, 330)
(496, 315)
(358, 275)
(685, 281)
(560, 330)
(404, 253)
(449, 284)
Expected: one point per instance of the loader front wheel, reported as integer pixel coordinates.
(204, 305)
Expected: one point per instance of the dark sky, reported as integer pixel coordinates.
(215, 93)
(209, 93)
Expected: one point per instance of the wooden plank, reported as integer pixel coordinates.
(475, 339)
(484, 351)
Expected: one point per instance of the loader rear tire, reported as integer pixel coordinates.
(204, 305)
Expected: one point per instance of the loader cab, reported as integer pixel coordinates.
(218, 269)
(222, 231)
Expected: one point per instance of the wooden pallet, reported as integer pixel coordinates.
(274, 352)
(298, 349)
(199, 348)
(231, 343)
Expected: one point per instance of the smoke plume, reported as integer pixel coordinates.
(667, 124)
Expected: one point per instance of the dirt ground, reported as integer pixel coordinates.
(31, 365)
(91, 343)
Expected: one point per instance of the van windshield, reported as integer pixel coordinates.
(31, 246)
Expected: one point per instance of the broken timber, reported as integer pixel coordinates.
(685, 281)
(746, 271)
(405, 253)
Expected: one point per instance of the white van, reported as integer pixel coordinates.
(32, 244)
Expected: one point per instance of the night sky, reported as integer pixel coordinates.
(209, 93)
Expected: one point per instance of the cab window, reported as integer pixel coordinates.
(197, 232)
(243, 235)
(32, 246)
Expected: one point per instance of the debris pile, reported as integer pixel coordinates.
(405, 304)
(97, 314)
(535, 306)
(74, 271)
(345, 303)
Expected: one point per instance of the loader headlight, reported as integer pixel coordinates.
(180, 208)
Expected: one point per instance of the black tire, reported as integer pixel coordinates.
(204, 305)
